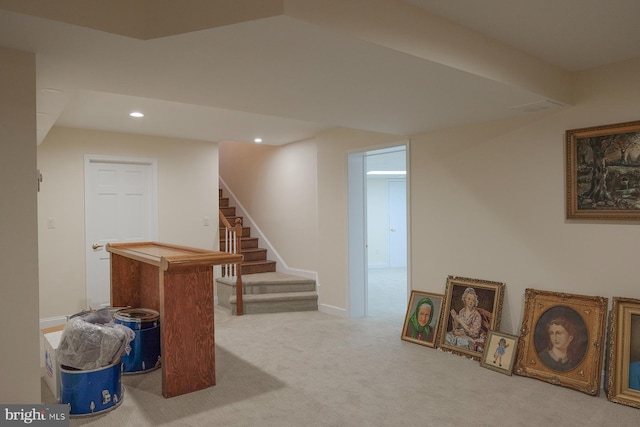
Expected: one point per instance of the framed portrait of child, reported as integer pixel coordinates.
(500, 352)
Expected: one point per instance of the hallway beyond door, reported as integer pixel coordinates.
(387, 292)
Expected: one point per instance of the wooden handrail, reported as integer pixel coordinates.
(236, 248)
(224, 219)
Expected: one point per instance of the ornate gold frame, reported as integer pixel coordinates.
(490, 295)
(624, 330)
(587, 315)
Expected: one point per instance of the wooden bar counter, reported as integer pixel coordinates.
(176, 281)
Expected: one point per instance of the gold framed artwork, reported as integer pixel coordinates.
(561, 339)
(472, 308)
(603, 172)
(623, 370)
(500, 352)
(423, 318)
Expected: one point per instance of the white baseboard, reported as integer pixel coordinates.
(50, 322)
(334, 311)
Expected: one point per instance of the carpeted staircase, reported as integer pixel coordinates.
(255, 258)
(265, 290)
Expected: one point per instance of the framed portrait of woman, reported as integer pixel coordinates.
(623, 357)
(562, 337)
(472, 307)
(423, 318)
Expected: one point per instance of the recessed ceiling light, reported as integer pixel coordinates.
(257, 140)
(136, 114)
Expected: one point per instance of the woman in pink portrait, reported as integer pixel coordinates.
(467, 323)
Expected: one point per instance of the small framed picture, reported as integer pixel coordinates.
(423, 318)
(561, 339)
(500, 352)
(623, 370)
(472, 308)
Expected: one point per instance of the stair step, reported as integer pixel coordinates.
(253, 267)
(254, 254)
(282, 296)
(249, 242)
(228, 211)
(277, 303)
(264, 289)
(271, 282)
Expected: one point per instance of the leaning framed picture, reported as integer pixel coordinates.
(500, 352)
(472, 308)
(423, 318)
(623, 358)
(603, 172)
(561, 339)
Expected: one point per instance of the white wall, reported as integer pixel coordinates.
(297, 195)
(19, 335)
(334, 147)
(487, 202)
(277, 186)
(187, 192)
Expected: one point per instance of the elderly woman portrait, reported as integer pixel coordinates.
(418, 326)
(467, 323)
(561, 339)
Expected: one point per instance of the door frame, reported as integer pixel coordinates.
(153, 199)
(357, 220)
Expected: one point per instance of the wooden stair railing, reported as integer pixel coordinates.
(233, 245)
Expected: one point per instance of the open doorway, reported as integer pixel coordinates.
(387, 289)
(378, 232)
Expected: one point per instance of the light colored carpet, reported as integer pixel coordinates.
(314, 369)
(387, 294)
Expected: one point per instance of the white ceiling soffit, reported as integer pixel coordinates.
(280, 78)
(108, 111)
(573, 34)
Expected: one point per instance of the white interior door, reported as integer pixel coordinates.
(397, 223)
(120, 206)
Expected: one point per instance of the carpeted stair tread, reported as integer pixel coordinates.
(266, 279)
(281, 296)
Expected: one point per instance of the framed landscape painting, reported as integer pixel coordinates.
(423, 318)
(561, 339)
(471, 309)
(603, 172)
(623, 370)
